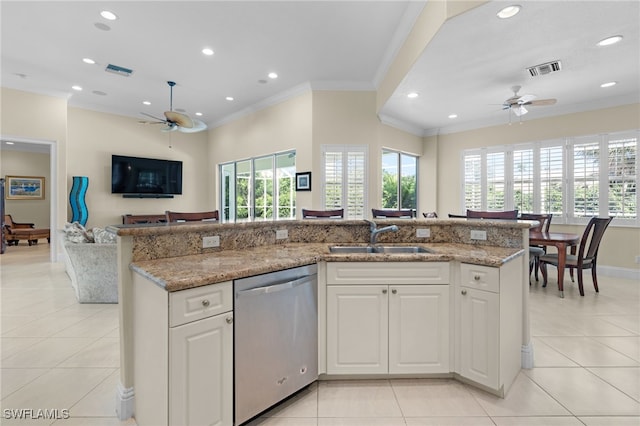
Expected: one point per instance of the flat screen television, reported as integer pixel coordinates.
(135, 176)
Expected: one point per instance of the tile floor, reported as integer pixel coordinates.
(58, 354)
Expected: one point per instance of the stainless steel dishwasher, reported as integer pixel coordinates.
(275, 338)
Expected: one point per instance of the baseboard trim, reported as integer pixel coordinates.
(613, 271)
(124, 402)
(527, 356)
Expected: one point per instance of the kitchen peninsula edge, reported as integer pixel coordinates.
(171, 256)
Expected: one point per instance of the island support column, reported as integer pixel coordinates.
(124, 391)
(527, 346)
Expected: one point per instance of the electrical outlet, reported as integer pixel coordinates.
(281, 234)
(478, 235)
(208, 242)
(423, 233)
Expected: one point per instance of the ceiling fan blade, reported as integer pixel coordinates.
(198, 126)
(543, 102)
(161, 120)
(525, 99)
(181, 120)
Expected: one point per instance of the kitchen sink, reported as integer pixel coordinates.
(379, 249)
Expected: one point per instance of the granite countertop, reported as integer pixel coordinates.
(183, 272)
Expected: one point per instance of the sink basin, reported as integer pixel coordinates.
(378, 249)
(401, 249)
(351, 249)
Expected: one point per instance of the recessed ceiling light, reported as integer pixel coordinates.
(229, 98)
(146, 103)
(88, 61)
(609, 41)
(78, 88)
(412, 95)
(509, 11)
(453, 115)
(609, 84)
(9, 143)
(199, 114)
(108, 15)
(207, 51)
(273, 75)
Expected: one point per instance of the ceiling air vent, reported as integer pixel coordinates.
(544, 69)
(126, 72)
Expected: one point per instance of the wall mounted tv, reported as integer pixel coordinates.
(135, 177)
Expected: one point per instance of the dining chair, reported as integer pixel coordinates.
(398, 214)
(587, 253)
(457, 216)
(323, 214)
(508, 214)
(133, 219)
(544, 222)
(212, 216)
(430, 215)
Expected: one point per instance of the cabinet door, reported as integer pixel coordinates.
(419, 329)
(479, 329)
(357, 329)
(201, 372)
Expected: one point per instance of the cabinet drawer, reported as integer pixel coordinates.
(480, 277)
(200, 302)
(353, 273)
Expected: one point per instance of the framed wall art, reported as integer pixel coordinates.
(303, 181)
(24, 188)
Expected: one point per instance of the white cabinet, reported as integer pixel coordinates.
(387, 318)
(200, 372)
(489, 324)
(183, 354)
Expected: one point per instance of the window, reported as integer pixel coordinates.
(345, 179)
(574, 178)
(258, 189)
(399, 180)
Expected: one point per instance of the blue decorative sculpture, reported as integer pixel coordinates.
(79, 210)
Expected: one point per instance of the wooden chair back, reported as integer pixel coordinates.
(397, 214)
(131, 219)
(508, 214)
(543, 219)
(591, 238)
(192, 217)
(323, 214)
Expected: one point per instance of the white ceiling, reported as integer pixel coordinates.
(467, 69)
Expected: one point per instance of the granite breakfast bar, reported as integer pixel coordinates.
(171, 257)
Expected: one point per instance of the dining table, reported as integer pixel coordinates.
(561, 241)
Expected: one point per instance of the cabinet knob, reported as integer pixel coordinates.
(464, 292)
(229, 320)
(394, 291)
(476, 277)
(205, 302)
(384, 291)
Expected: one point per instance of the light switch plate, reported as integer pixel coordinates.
(281, 234)
(423, 233)
(208, 242)
(478, 235)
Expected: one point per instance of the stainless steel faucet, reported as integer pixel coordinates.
(375, 231)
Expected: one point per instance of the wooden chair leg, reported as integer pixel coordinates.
(571, 274)
(580, 287)
(543, 269)
(594, 277)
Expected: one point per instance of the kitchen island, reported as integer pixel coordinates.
(468, 281)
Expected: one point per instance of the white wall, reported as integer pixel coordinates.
(94, 137)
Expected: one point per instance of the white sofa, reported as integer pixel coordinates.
(92, 267)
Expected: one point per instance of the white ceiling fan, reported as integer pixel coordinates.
(175, 120)
(517, 102)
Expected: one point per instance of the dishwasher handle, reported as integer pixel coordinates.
(274, 288)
